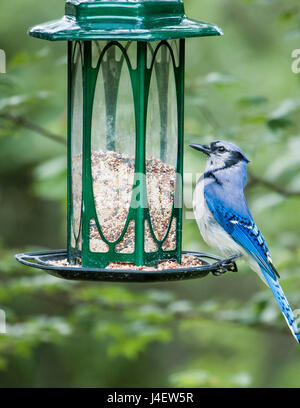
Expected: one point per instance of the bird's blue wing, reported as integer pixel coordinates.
(245, 232)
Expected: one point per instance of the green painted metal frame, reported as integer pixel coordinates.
(114, 21)
(140, 82)
(124, 21)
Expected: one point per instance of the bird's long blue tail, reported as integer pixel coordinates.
(282, 303)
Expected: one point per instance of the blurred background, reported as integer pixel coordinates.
(213, 332)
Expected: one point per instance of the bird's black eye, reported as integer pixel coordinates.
(221, 149)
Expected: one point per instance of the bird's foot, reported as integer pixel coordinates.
(220, 271)
(227, 265)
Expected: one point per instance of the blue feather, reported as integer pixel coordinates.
(242, 229)
(283, 303)
(245, 232)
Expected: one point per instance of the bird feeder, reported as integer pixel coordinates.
(125, 141)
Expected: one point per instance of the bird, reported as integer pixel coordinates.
(225, 221)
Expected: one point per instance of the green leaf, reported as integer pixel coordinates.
(281, 116)
(249, 101)
(203, 378)
(219, 79)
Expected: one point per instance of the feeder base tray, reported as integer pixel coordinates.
(41, 260)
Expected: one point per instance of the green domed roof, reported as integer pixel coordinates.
(143, 20)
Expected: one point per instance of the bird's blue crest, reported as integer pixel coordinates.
(229, 146)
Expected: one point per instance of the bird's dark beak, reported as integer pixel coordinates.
(203, 148)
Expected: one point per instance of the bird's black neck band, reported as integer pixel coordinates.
(210, 174)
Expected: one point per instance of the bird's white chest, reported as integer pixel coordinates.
(213, 234)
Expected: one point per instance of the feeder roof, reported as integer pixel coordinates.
(136, 20)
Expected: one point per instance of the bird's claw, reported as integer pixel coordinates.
(220, 271)
(232, 267)
(226, 266)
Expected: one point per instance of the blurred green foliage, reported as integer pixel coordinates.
(216, 332)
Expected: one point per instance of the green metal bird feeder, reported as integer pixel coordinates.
(125, 142)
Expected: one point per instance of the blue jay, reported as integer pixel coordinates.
(224, 219)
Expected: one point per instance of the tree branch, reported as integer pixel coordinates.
(210, 118)
(254, 179)
(21, 121)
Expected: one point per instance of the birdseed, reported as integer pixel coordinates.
(187, 261)
(113, 177)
